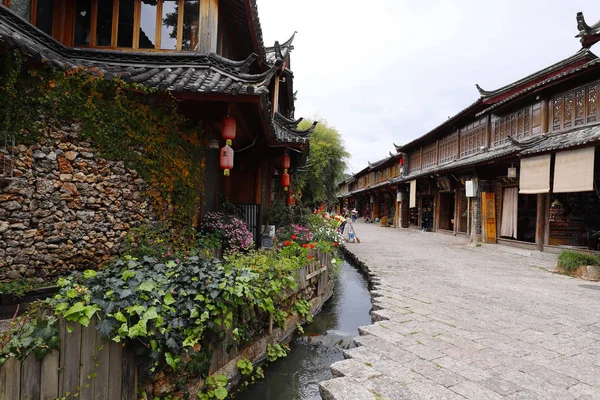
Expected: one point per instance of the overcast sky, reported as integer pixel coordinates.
(388, 71)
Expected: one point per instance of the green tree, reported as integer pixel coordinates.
(325, 165)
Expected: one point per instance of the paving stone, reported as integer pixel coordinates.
(344, 389)
(472, 390)
(359, 371)
(501, 386)
(485, 321)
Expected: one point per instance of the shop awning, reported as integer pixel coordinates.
(413, 194)
(574, 171)
(534, 176)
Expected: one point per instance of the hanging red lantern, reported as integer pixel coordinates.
(401, 161)
(229, 128)
(285, 180)
(291, 200)
(226, 160)
(285, 162)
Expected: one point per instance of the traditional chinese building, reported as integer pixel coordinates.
(208, 54)
(518, 166)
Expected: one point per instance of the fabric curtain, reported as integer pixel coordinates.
(413, 194)
(510, 206)
(574, 171)
(534, 176)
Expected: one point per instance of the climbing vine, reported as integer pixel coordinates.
(128, 122)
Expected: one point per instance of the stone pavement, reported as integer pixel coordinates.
(456, 321)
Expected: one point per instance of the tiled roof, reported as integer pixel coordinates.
(581, 55)
(286, 130)
(279, 51)
(588, 34)
(189, 72)
(589, 65)
(479, 158)
(574, 138)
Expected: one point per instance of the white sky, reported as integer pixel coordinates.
(384, 71)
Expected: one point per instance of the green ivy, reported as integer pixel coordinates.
(128, 122)
(276, 351)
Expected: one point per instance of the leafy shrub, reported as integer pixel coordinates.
(27, 334)
(324, 228)
(172, 312)
(159, 241)
(569, 260)
(232, 231)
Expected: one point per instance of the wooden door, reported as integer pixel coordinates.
(488, 216)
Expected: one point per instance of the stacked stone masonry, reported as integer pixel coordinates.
(66, 207)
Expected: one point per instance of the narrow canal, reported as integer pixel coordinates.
(296, 377)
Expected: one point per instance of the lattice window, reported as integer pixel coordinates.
(430, 156)
(449, 148)
(575, 108)
(522, 124)
(472, 137)
(414, 161)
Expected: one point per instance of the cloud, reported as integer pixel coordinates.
(388, 71)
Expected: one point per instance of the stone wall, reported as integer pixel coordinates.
(66, 208)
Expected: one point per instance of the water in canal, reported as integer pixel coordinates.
(296, 376)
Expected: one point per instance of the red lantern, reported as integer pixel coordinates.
(285, 180)
(291, 200)
(401, 161)
(285, 162)
(226, 160)
(229, 128)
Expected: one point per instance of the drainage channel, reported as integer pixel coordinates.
(296, 377)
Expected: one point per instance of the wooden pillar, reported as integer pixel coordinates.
(456, 212)
(405, 213)
(419, 211)
(547, 201)
(469, 219)
(540, 221)
(209, 25)
(276, 96)
(375, 207)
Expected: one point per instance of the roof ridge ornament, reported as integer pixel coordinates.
(589, 34)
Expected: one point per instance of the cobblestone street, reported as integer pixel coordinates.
(457, 321)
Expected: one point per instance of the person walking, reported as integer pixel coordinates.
(367, 214)
(354, 213)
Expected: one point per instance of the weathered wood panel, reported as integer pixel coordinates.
(49, 376)
(31, 370)
(129, 376)
(103, 361)
(88, 362)
(12, 381)
(71, 351)
(3, 383)
(115, 370)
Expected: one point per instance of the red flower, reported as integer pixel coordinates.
(312, 246)
(304, 245)
(309, 257)
(294, 237)
(331, 217)
(287, 243)
(335, 244)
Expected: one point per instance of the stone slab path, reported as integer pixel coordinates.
(456, 321)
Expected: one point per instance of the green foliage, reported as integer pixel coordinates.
(127, 122)
(172, 312)
(569, 260)
(326, 164)
(29, 333)
(214, 388)
(276, 351)
(245, 366)
(160, 241)
(21, 286)
(302, 307)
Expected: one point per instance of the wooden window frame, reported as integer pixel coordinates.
(136, 27)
